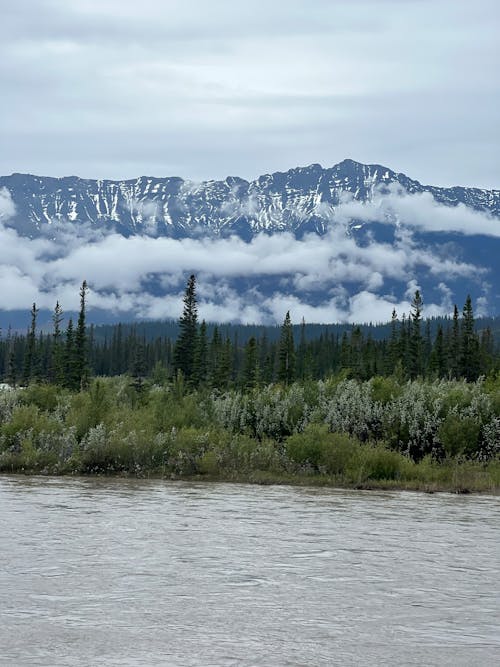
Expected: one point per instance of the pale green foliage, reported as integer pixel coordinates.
(9, 398)
(337, 427)
(271, 412)
(352, 410)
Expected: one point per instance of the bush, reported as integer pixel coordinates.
(44, 396)
(375, 463)
(325, 452)
(459, 435)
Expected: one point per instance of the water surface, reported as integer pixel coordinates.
(125, 572)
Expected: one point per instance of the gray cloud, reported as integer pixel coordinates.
(330, 278)
(112, 89)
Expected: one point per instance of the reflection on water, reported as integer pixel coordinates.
(125, 572)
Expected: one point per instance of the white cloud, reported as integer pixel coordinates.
(329, 278)
(7, 206)
(394, 205)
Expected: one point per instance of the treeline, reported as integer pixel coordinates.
(213, 357)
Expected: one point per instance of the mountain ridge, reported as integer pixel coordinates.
(296, 200)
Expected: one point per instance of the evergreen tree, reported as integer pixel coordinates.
(200, 366)
(345, 352)
(437, 364)
(11, 374)
(454, 346)
(416, 341)
(393, 355)
(80, 362)
(487, 351)
(214, 358)
(469, 347)
(301, 352)
(71, 380)
(250, 364)
(30, 357)
(56, 373)
(185, 346)
(138, 370)
(286, 352)
(357, 353)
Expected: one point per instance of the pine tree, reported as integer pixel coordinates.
(11, 374)
(286, 352)
(30, 356)
(214, 358)
(486, 351)
(437, 363)
(393, 353)
(185, 346)
(356, 353)
(454, 346)
(469, 344)
(71, 380)
(56, 373)
(138, 370)
(301, 352)
(200, 364)
(81, 370)
(416, 341)
(250, 364)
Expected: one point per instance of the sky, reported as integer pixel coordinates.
(117, 89)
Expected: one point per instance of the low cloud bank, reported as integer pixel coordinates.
(345, 280)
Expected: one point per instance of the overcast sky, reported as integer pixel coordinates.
(117, 89)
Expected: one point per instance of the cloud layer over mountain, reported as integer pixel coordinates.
(335, 277)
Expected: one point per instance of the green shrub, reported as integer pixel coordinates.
(459, 435)
(44, 396)
(26, 419)
(326, 452)
(375, 463)
(385, 389)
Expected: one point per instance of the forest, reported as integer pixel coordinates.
(417, 408)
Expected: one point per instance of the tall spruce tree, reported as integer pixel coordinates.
(200, 363)
(30, 356)
(10, 370)
(393, 352)
(469, 344)
(437, 363)
(70, 377)
(416, 340)
(56, 372)
(185, 347)
(251, 364)
(454, 346)
(286, 352)
(81, 370)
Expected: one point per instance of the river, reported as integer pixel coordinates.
(126, 572)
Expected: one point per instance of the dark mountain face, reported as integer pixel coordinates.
(358, 236)
(298, 200)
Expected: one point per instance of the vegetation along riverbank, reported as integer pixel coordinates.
(405, 412)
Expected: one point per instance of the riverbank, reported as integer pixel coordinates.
(427, 477)
(381, 434)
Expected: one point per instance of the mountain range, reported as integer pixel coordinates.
(296, 200)
(346, 243)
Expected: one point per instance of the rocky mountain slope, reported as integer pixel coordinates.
(298, 200)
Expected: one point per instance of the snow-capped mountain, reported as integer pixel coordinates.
(361, 239)
(299, 200)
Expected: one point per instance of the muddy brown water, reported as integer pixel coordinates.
(125, 572)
